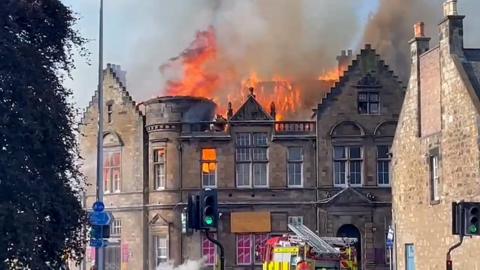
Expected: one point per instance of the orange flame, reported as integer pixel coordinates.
(196, 81)
(277, 94)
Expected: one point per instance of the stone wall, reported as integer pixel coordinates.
(126, 124)
(420, 221)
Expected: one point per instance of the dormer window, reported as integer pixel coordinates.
(368, 103)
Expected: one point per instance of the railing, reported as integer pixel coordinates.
(221, 127)
(205, 127)
(295, 127)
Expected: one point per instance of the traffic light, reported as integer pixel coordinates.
(208, 209)
(100, 231)
(193, 212)
(457, 219)
(471, 211)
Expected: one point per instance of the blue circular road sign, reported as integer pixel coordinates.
(98, 206)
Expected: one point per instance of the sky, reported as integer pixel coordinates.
(129, 26)
(132, 27)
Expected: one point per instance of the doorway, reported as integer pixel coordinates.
(350, 231)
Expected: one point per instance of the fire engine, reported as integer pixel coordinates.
(329, 253)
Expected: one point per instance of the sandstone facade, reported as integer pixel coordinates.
(436, 149)
(289, 169)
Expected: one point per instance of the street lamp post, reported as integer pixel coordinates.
(99, 252)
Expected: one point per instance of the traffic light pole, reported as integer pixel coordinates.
(99, 252)
(219, 245)
(449, 258)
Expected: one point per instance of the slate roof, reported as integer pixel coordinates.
(472, 67)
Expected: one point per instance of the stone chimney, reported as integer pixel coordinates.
(273, 111)
(229, 111)
(418, 45)
(419, 29)
(344, 60)
(451, 28)
(450, 8)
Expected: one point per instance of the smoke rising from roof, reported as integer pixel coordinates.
(392, 26)
(292, 39)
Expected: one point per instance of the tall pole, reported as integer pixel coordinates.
(99, 252)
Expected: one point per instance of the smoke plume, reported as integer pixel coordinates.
(188, 265)
(392, 26)
(295, 41)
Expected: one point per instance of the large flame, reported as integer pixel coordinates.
(195, 80)
(278, 94)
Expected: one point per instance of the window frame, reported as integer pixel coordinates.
(296, 219)
(113, 255)
(382, 160)
(245, 153)
(368, 102)
(156, 256)
(347, 162)
(156, 183)
(202, 161)
(253, 237)
(237, 249)
(254, 247)
(116, 228)
(205, 239)
(300, 162)
(107, 152)
(434, 177)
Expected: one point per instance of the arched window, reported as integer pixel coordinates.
(112, 160)
(386, 129)
(347, 129)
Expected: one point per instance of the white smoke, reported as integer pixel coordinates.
(188, 265)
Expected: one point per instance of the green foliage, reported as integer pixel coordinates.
(41, 218)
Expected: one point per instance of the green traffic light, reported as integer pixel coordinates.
(208, 220)
(473, 229)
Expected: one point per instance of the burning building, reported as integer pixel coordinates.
(329, 172)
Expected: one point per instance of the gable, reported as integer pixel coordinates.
(369, 73)
(348, 196)
(114, 93)
(251, 110)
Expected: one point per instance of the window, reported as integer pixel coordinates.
(116, 228)
(250, 248)
(159, 168)
(383, 165)
(252, 159)
(410, 256)
(295, 167)
(260, 245)
(208, 251)
(109, 113)
(295, 220)
(244, 249)
(160, 248)
(113, 256)
(111, 171)
(368, 103)
(434, 178)
(209, 167)
(348, 165)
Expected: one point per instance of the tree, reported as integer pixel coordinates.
(41, 218)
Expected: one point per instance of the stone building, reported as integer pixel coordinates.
(331, 174)
(436, 148)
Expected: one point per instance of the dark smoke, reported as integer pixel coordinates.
(390, 29)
